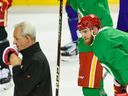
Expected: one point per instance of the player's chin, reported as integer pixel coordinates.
(87, 42)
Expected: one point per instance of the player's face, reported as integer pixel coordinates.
(20, 41)
(87, 36)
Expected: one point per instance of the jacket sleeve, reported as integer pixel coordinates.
(25, 82)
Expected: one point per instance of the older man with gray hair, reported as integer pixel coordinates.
(31, 74)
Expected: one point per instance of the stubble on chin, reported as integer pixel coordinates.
(88, 41)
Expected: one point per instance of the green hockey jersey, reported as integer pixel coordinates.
(111, 48)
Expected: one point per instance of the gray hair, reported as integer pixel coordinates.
(27, 29)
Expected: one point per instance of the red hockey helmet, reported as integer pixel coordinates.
(88, 22)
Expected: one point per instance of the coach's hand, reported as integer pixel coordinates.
(15, 60)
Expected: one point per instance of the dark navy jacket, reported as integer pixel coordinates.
(33, 77)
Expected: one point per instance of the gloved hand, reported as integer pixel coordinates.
(119, 89)
(122, 93)
(7, 53)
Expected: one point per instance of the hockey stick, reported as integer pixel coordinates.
(58, 50)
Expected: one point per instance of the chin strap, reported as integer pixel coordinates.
(92, 33)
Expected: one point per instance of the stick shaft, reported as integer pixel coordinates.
(58, 50)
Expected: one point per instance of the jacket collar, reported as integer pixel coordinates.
(31, 50)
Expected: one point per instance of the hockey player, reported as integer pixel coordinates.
(108, 44)
(122, 24)
(70, 49)
(86, 56)
(5, 74)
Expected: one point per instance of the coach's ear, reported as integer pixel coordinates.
(7, 53)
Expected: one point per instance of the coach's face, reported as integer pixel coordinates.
(20, 40)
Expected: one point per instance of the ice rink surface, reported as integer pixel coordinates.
(46, 19)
